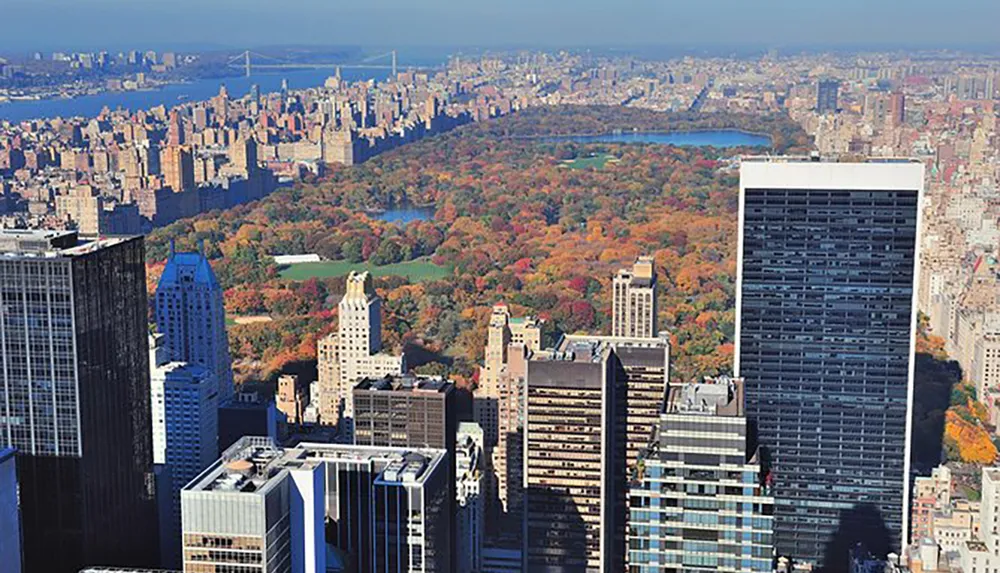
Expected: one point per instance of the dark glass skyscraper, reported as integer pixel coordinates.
(824, 339)
(75, 398)
(826, 96)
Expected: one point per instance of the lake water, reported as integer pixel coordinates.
(199, 90)
(405, 215)
(714, 138)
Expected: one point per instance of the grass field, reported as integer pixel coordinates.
(417, 270)
(598, 161)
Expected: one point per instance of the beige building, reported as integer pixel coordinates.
(292, 397)
(985, 368)
(633, 303)
(354, 353)
(84, 207)
(328, 366)
(497, 402)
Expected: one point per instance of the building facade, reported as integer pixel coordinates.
(357, 351)
(10, 515)
(574, 466)
(267, 509)
(185, 413)
(646, 363)
(633, 303)
(469, 498)
(825, 339)
(826, 96)
(191, 315)
(76, 370)
(982, 554)
(931, 494)
(699, 497)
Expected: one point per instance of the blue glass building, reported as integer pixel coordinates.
(698, 497)
(824, 339)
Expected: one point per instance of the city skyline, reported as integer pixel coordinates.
(705, 312)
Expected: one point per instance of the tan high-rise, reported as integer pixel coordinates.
(354, 353)
(497, 405)
(633, 304)
(178, 168)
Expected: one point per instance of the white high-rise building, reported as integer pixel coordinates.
(469, 497)
(633, 304)
(185, 414)
(191, 316)
(357, 351)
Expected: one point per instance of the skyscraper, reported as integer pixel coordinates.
(574, 467)
(496, 401)
(383, 510)
(177, 165)
(826, 96)
(75, 367)
(10, 516)
(824, 339)
(633, 303)
(469, 498)
(358, 351)
(191, 316)
(646, 365)
(699, 498)
(185, 411)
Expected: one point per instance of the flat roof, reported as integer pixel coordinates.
(786, 173)
(35, 243)
(406, 383)
(6, 454)
(254, 464)
(720, 396)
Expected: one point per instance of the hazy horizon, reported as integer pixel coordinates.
(223, 24)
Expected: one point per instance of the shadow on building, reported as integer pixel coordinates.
(559, 542)
(933, 383)
(862, 524)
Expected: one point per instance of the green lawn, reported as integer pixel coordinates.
(417, 270)
(597, 161)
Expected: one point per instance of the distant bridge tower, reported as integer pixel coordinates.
(246, 55)
(394, 75)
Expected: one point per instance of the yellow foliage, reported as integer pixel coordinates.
(974, 444)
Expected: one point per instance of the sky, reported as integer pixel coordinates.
(27, 25)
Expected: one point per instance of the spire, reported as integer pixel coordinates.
(171, 247)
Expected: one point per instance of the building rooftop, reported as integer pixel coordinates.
(815, 158)
(406, 383)
(6, 454)
(253, 464)
(647, 352)
(187, 267)
(177, 371)
(721, 396)
(50, 244)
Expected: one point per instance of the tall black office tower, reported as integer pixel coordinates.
(74, 398)
(824, 339)
(826, 96)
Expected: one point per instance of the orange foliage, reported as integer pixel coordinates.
(974, 444)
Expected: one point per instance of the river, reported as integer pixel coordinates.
(170, 95)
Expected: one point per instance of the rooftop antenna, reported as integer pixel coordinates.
(201, 247)
(171, 248)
